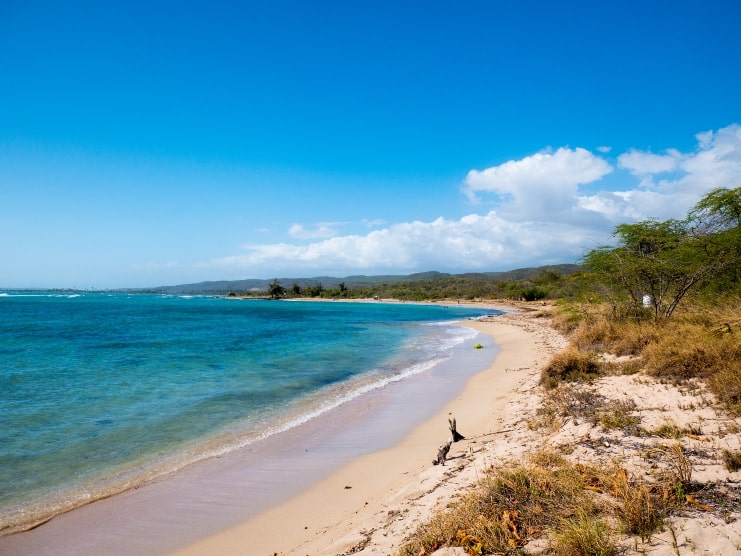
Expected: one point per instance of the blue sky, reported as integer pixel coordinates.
(151, 143)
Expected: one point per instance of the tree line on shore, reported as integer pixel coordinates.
(653, 265)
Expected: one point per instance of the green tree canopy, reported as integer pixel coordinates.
(663, 261)
(275, 290)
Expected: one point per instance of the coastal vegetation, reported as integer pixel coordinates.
(663, 303)
(583, 506)
(530, 284)
(525, 283)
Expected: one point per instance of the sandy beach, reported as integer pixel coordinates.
(373, 502)
(223, 492)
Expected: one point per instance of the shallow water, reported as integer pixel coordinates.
(104, 392)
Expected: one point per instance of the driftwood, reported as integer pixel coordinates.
(442, 453)
(456, 435)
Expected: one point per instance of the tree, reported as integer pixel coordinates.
(719, 211)
(313, 291)
(661, 262)
(718, 215)
(275, 290)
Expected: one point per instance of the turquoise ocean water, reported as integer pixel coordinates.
(104, 392)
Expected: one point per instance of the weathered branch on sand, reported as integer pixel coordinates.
(456, 435)
(442, 453)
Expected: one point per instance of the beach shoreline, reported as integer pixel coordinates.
(367, 501)
(375, 503)
(191, 491)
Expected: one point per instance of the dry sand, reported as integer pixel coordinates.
(373, 504)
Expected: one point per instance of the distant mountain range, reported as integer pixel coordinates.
(331, 282)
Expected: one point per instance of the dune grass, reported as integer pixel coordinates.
(732, 460)
(699, 342)
(571, 365)
(580, 509)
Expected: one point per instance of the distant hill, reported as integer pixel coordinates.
(222, 287)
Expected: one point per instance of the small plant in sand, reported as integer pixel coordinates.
(620, 368)
(642, 510)
(570, 365)
(671, 430)
(579, 403)
(583, 535)
(618, 414)
(732, 460)
(643, 506)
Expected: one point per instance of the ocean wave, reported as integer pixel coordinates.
(331, 397)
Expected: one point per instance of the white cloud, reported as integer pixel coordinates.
(544, 183)
(373, 222)
(562, 171)
(544, 214)
(716, 162)
(319, 231)
(474, 242)
(642, 163)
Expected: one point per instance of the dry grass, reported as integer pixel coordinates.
(617, 368)
(617, 414)
(687, 351)
(593, 333)
(568, 402)
(700, 341)
(642, 511)
(567, 318)
(579, 403)
(671, 430)
(632, 338)
(732, 460)
(508, 507)
(599, 330)
(579, 508)
(584, 535)
(682, 352)
(725, 382)
(570, 365)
